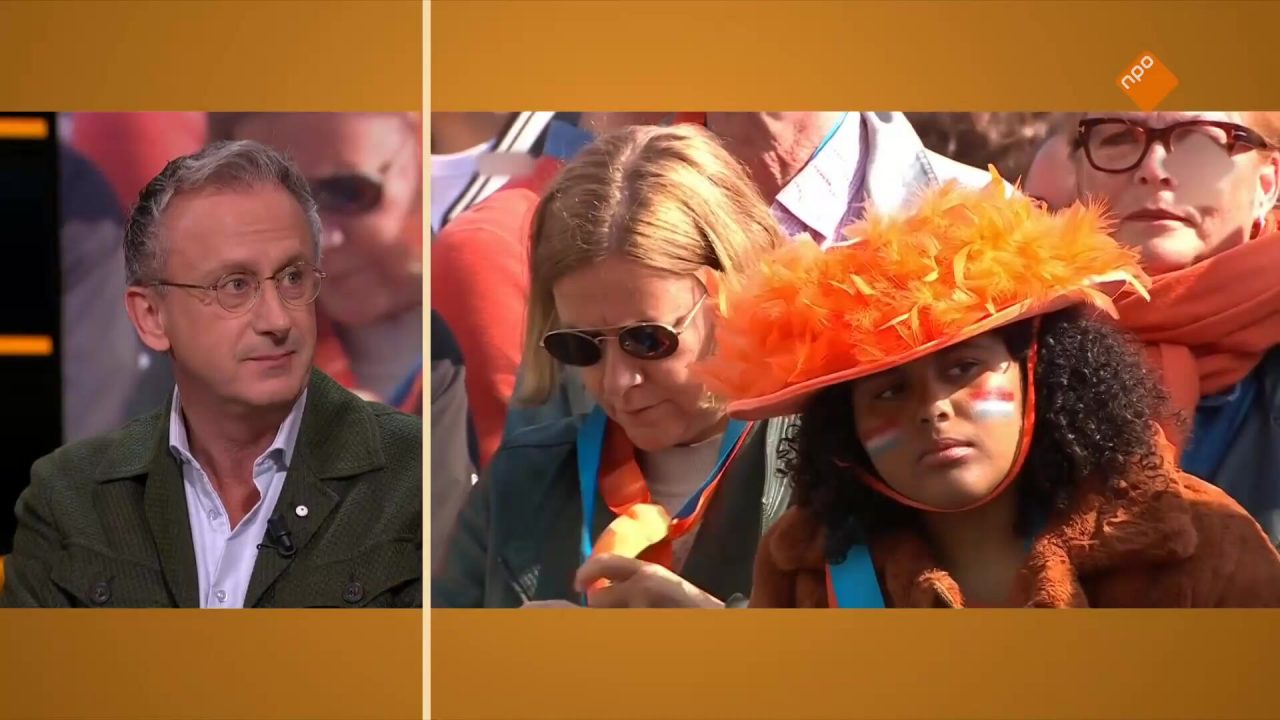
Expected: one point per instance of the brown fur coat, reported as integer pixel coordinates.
(1163, 542)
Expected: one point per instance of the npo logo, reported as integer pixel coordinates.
(1147, 81)
(1134, 76)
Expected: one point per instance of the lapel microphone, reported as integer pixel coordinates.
(277, 537)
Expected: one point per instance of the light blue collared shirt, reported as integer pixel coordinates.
(872, 159)
(225, 556)
(825, 195)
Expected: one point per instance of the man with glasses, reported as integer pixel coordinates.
(365, 172)
(262, 483)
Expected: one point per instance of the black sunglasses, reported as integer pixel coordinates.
(353, 193)
(347, 194)
(643, 341)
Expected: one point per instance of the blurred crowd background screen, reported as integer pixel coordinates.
(366, 173)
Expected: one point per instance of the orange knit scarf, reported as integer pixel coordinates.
(1208, 326)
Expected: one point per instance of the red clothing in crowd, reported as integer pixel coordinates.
(480, 287)
(131, 148)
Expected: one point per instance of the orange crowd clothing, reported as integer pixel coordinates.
(1161, 541)
(480, 287)
(1209, 325)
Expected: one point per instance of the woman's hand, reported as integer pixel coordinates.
(638, 584)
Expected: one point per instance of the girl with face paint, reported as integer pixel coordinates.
(971, 433)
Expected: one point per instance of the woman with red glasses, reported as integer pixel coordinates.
(1194, 194)
(971, 433)
(623, 247)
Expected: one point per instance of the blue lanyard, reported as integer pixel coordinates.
(401, 393)
(854, 581)
(590, 447)
(830, 134)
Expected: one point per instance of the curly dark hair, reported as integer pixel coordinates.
(1096, 406)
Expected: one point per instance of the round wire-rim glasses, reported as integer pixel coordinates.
(298, 285)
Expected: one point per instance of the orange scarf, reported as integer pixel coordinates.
(642, 529)
(1208, 326)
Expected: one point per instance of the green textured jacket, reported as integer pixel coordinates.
(104, 521)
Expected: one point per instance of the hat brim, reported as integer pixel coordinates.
(791, 400)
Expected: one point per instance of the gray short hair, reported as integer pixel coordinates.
(221, 165)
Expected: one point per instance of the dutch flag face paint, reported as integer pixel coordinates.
(882, 440)
(995, 402)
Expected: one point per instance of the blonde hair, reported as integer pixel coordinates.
(668, 198)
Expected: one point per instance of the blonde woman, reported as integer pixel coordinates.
(622, 251)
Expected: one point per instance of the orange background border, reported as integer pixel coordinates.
(105, 55)
(178, 664)
(924, 55)
(502, 55)
(918, 55)
(842, 665)
(211, 56)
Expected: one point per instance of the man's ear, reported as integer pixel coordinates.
(148, 319)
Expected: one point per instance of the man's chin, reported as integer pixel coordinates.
(273, 391)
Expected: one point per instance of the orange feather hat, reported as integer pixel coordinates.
(964, 262)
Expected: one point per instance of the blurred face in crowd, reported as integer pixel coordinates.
(1202, 193)
(453, 132)
(657, 402)
(365, 171)
(1052, 176)
(773, 146)
(257, 353)
(944, 430)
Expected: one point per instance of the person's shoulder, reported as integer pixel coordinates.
(341, 416)
(502, 217)
(1202, 496)
(558, 433)
(444, 343)
(1235, 563)
(1271, 367)
(123, 452)
(1268, 373)
(84, 191)
(1222, 525)
(538, 451)
(400, 437)
(797, 541)
(401, 431)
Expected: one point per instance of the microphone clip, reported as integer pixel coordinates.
(277, 538)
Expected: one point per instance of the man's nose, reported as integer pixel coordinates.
(270, 314)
